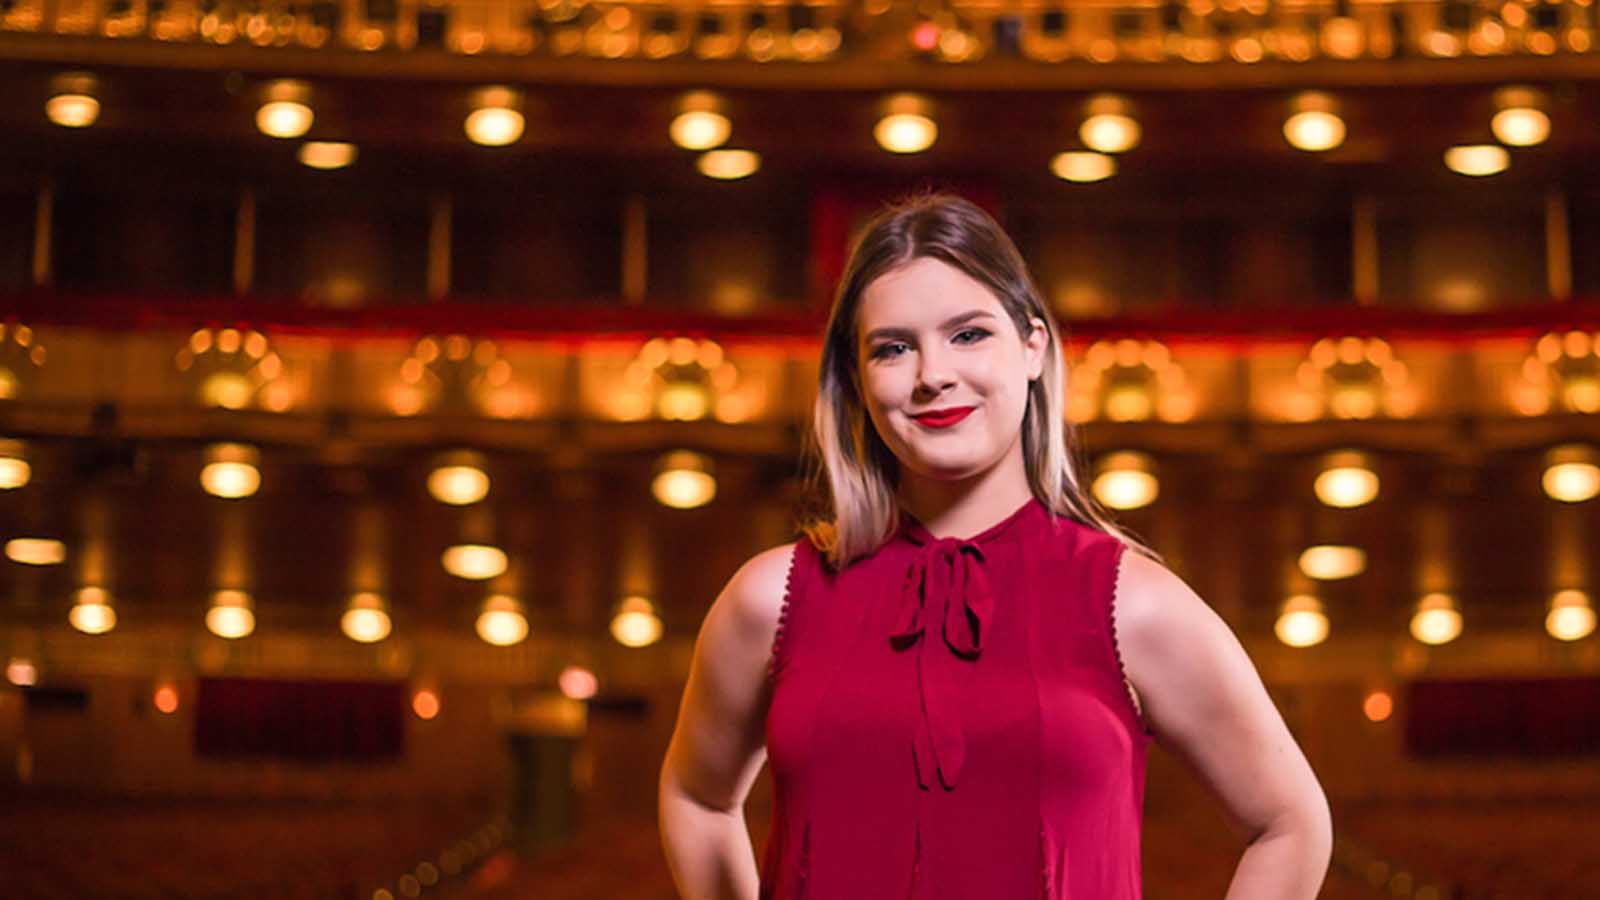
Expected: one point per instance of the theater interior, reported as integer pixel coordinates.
(388, 388)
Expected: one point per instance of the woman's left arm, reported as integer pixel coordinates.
(1204, 701)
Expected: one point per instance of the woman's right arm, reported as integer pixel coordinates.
(719, 745)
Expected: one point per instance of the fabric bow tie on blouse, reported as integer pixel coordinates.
(947, 603)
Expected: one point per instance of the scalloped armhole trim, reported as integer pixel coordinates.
(790, 583)
(1122, 552)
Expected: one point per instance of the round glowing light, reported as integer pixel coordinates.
(636, 623)
(684, 480)
(36, 551)
(1378, 706)
(1327, 562)
(229, 390)
(1437, 620)
(166, 699)
(1520, 119)
(1571, 616)
(1572, 473)
(230, 615)
(1302, 622)
(905, 132)
(230, 471)
(728, 165)
(1314, 131)
(494, 127)
(1346, 481)
(578, 683)
(1110, 132)
(458, 485)
(72, 110)
(1083, 166)
(14, 472)
(366, 620)
(496, 118)
(1477, 160)
(425, 704)
(284, 118)
(326, 154)
(92, 613)
(1126, 479)
(502, 623)
(21, 672)
(699, 129)
(474, 561)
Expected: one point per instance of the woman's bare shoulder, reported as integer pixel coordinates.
(755, 594)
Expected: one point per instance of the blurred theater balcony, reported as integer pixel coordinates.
(452, 355)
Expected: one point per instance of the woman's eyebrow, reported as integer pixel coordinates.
(897, 331)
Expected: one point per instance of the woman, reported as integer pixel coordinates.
(956, 677)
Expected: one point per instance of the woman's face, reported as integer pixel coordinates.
(933, 338)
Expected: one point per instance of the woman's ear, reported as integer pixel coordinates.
(1038, 338)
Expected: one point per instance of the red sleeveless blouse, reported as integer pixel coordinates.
(950, 720)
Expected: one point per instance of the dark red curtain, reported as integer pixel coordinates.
(300, 720)
(1533, 717)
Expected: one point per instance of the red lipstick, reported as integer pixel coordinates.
(944, 418)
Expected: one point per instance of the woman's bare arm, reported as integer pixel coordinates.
(718, 745)
(1204, 700)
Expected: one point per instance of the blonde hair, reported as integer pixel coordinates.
(850, 471)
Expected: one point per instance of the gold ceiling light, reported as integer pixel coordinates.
(636, 623)
(326, 155)
(232, 614)
(684, 480)
(1327, 562)
(475, 562)
(502, 622)
(285, 111)
(459, 478)
(15, 471)
(1314, 123)
(73, 102)
(906, 125)
(1083, 166)
(1571, 616)
(1520, 119)
(729, 164)
(231, 470)
(1437, 619)
(366, 618)
(701, 122)
(1571, 473)
(1477, 160)
(1346, 480)
(1125, 479)
(36, 551)
(92, 613)
(1302, 622)
(496, 118)
(1109, 125)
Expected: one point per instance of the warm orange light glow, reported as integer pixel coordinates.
(729, 165)
(1437, 619)
(502, 623)
(1126, 479)
(327, 154)
(1110, 126)
(230, 470)
(684, 480)
(1302, 622)
(1378, 706)
(578, 682)
(36, 551)
(92, 613)
(425, 704)
(474, 561)
(166, 699)
(1478, 160)
(636, 623)
(230, 615)
(287, 110)
(496, 119)
(1083, 166)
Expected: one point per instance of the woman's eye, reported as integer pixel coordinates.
(883, 350)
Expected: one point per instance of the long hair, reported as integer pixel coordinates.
(846, 458)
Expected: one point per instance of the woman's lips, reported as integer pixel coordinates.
(944, 420)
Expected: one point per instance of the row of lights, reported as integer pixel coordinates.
(1126, 479)
(232, 471)
(906, 125)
